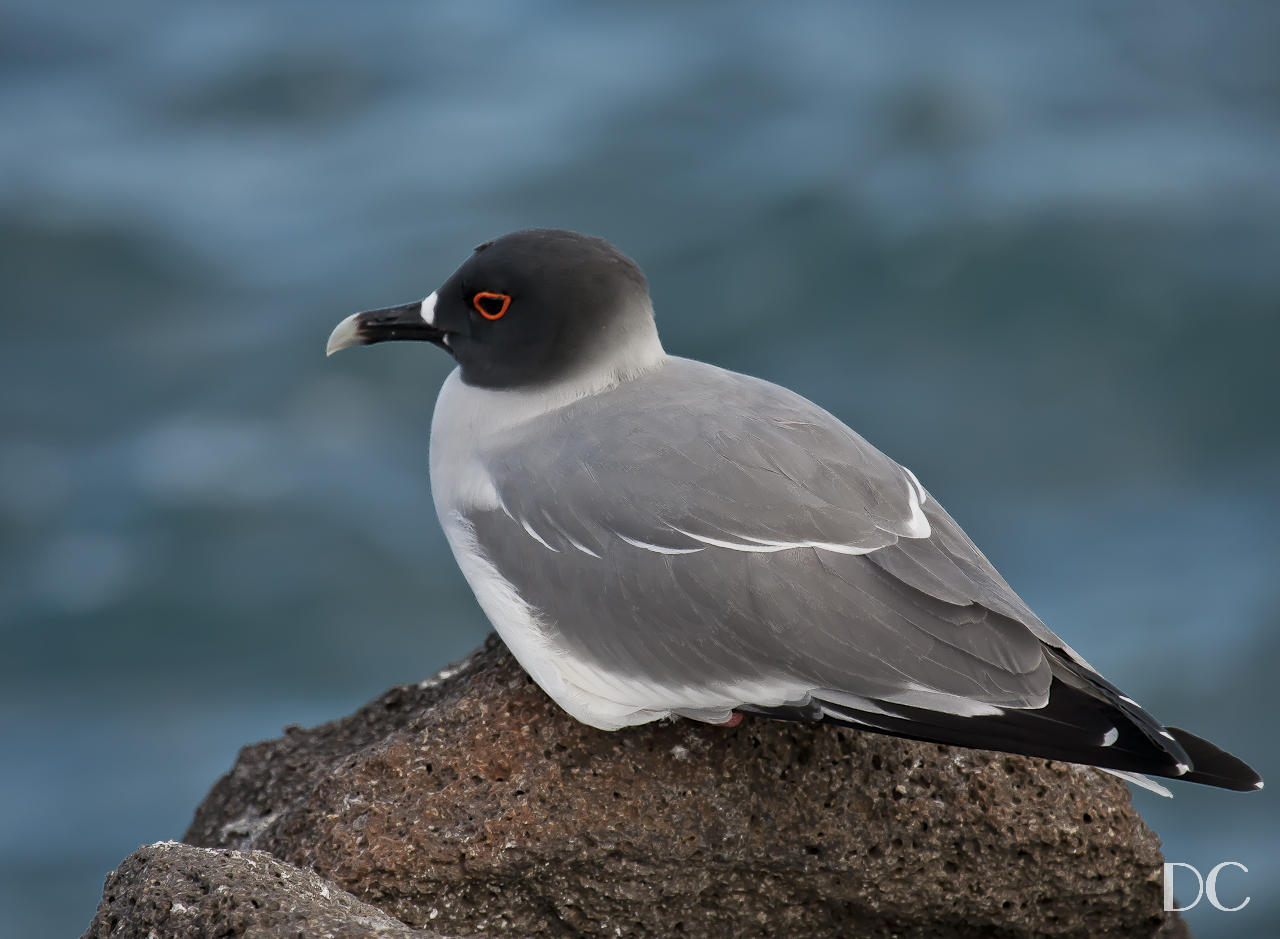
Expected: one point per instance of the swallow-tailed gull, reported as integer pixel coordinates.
(654, 536)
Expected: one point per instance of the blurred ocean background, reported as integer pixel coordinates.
(1032, 251)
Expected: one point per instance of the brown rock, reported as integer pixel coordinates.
(472, 803)
(171, 889)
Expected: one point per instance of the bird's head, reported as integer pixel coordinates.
(531, 308)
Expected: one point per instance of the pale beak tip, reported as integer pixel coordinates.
(345, 335)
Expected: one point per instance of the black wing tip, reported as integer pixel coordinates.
(1206, 764)
(1213, 766)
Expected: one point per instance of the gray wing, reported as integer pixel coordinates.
(704, 530)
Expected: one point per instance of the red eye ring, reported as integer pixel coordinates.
(487, 295)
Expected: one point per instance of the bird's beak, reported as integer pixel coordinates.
(395, 322)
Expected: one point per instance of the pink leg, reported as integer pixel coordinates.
(734, 721)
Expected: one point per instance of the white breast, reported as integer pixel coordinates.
(466, 419)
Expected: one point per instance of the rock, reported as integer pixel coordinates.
(172, 889)
(470, 802)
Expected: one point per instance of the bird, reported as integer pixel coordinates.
(655, 537)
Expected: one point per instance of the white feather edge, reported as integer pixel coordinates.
(918, 525)
(1137, 779)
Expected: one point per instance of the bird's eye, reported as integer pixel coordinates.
(492, 306)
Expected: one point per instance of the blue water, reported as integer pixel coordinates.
(1033, 252)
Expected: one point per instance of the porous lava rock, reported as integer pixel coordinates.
(175, 890)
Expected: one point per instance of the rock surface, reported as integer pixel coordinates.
(172, 889)
(471, 803)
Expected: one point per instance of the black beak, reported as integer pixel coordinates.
(394, 322)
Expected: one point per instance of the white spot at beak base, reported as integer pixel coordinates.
(429, 309)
